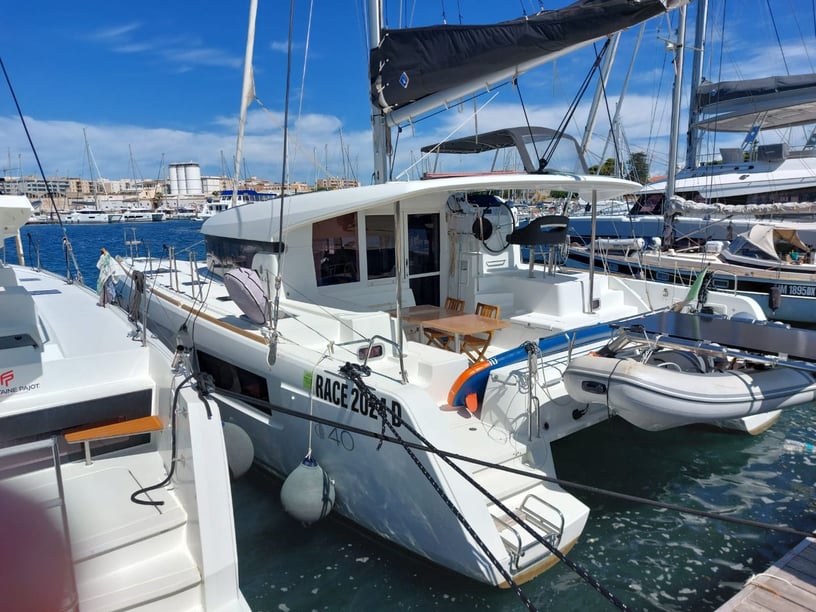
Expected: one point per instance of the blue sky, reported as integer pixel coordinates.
(163, 79)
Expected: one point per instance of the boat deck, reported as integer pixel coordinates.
(124, 553)
(790, 584)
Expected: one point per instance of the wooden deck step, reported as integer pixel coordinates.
(130, 427)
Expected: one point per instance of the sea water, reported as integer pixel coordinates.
(651, 558)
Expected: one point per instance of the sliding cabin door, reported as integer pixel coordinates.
(422, 244)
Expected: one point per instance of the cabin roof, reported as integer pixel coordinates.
(260, 220)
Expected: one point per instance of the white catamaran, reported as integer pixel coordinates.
(312, 317)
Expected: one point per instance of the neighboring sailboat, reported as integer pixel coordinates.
(718, 197)
(769, 263)
(92, 214)
(109, 446)
(671, 239)
(756, 179)
(322, 362)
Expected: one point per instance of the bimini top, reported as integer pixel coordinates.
(518, 138)
(733, 106)
(260, 220)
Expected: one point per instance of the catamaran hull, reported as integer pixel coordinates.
(658, 398)
(379, 488)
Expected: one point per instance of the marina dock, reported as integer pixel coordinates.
(789, 584)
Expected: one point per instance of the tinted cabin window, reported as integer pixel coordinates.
(229, 252)
(380, 250)
(232, 378)
(335, 252)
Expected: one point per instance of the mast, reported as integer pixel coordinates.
(247, 94)
(381, 132)
(91, 169)
(677, 90)
(693, 136)
(600, 90)
(614, 128)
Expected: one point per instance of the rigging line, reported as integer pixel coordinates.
(805, 45)
(715, 132)
(203, 301)
(173, 451)
(274, 334)
(526, 118)
(493, 88)
(303, 75)
(449, 135)
(567, 484)
(296, 144)
(328, 314)
(393, 155)
(33, 150)
(562, 127)
(354, 373)
(778, 40)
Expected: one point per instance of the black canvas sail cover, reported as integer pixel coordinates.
(734, 106)
(411, 64)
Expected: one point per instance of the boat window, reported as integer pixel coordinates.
(233, 253)
(380, 246)
(232, 378)
(334, 249)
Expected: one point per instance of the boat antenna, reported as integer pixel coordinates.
(66, 243)
(273, 335)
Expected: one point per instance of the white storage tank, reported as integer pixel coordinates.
(174, 183)
(192, 173)
(185, 178)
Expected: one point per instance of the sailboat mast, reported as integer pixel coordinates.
(91, 169)
(600, 91)
(675, 115)
(379, 125)
(615, 133)
(693, 136)
(247, 93)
